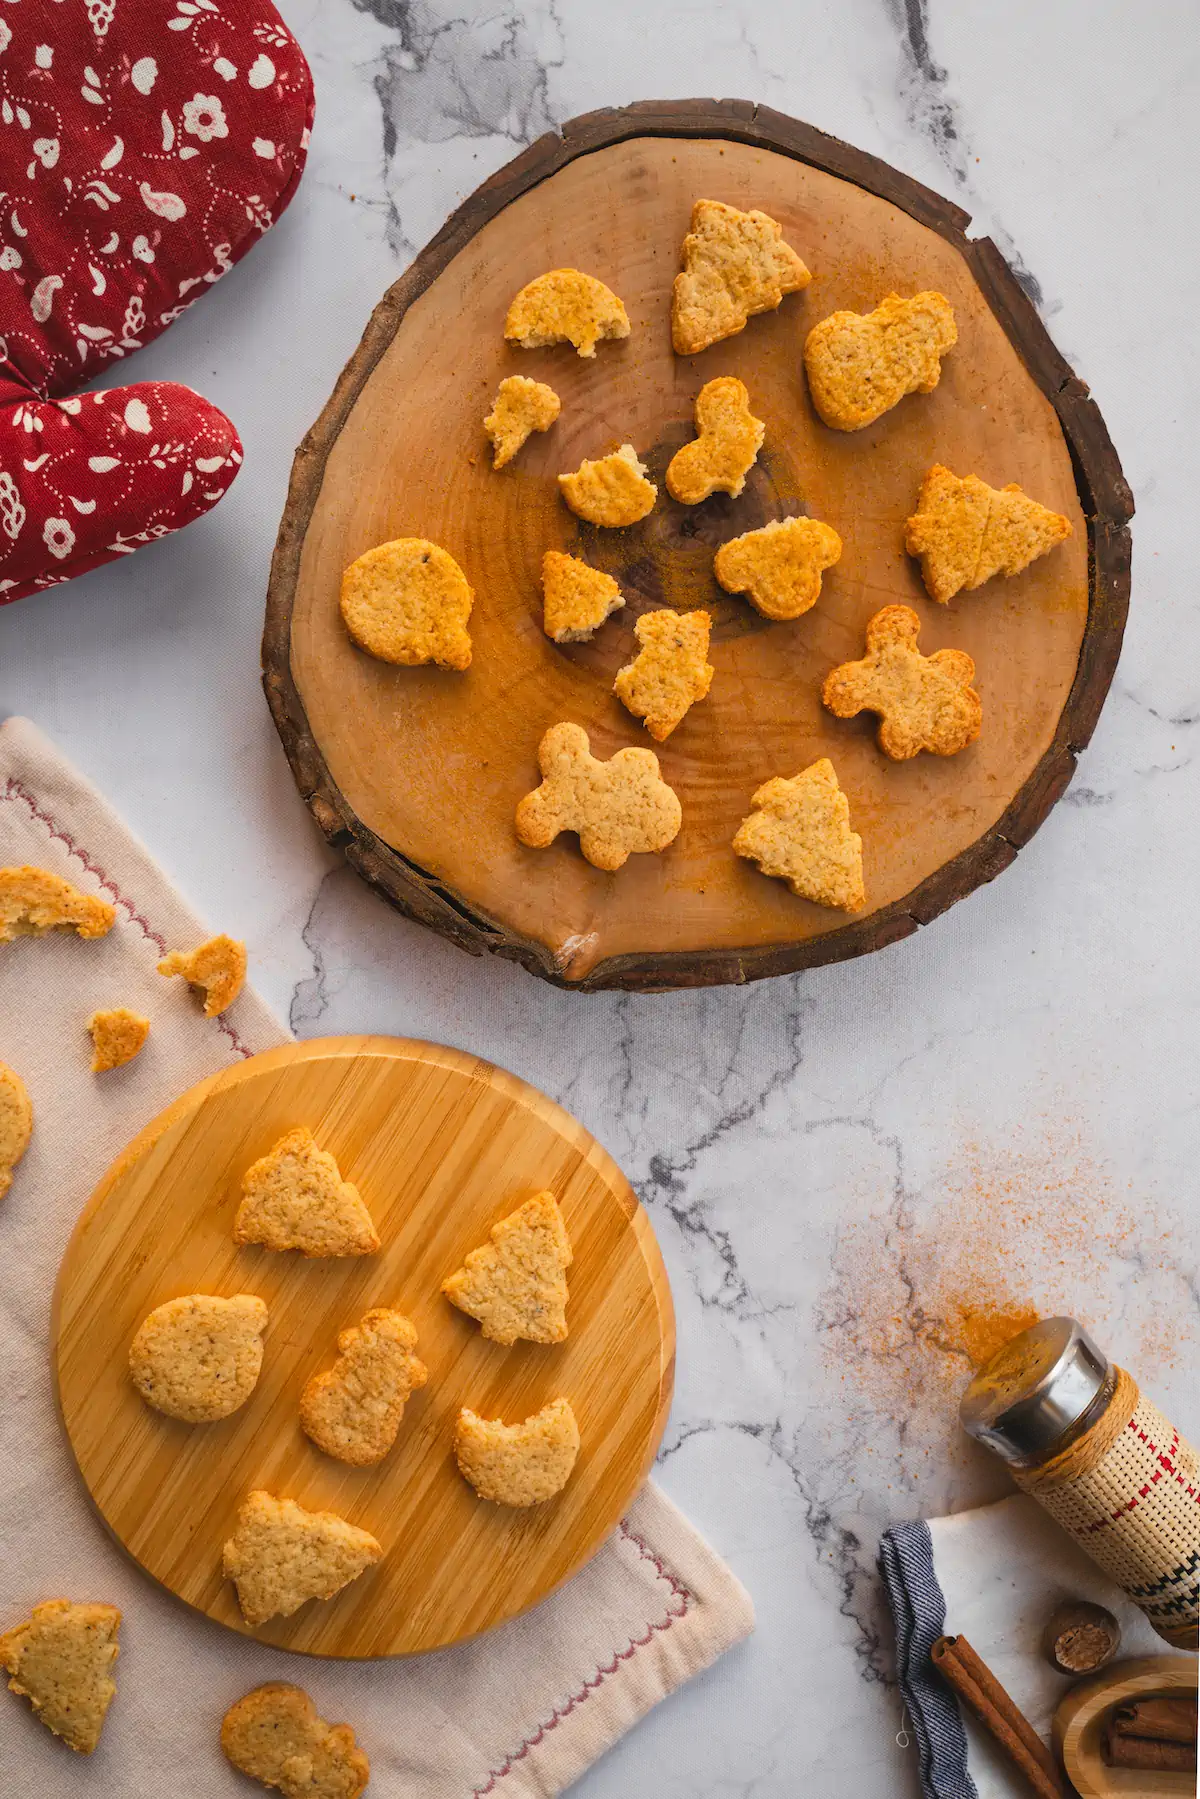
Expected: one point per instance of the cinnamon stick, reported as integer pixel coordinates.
(1170, 1720)
(1149, 1752)
(980, 1691)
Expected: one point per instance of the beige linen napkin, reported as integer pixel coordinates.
(520, 1713)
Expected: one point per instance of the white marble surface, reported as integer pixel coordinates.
(830, 1161)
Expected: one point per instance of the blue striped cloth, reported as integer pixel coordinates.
(919, 1610)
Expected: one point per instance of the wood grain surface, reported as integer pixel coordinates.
(1079, 1727)
(416, 773)
(441, 1145)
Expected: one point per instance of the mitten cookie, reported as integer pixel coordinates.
(859, 365)
(964, 532)
(923, 702)
(728, 439)
(670, 671)
(779, 567)
(275, 1735)
(734, 264)
(619, 808)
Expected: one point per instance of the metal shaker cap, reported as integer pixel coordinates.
(1034, 1389)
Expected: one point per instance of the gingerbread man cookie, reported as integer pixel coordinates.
(923, 702)
(619, 808)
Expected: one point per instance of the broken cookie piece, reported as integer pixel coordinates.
(518, 1464)
(964, 532)
(217, 967)
(521, 407)
(734, 265)
(515, 1284)
(565, 306)
(923, 702)
(34, 901)
(670, 671)
(280, 1555)
(61, 1660)
(295, 1198)
(117, 1036)
(799, 831)
(619, 808)
(612, 491)
(779, 567)
(16, 1123)
(275, 1735)
(859, 365)
(576, 599)
(728, 439)
(407, 602)
(352, 1411)
(199, 1357)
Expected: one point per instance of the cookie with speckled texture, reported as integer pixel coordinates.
(799, 831)
(612, 491)
(280, 1555)
(295, 1198)
(564, 306)
(34, 901)
(61, 1660)
(779, 567)
(217, 967)
(515, 1284)
(16, 1123)
(199, 1357)
(275, 1735)
(964, 532)
(619, 808)
(117, 1036)
(407, 602)
(860, 365)
(521, 407)
(720, 456)
(670, 671)
(518, 1464)
(734, 265)
(352, 1411)
(576, 599)
(923, 702)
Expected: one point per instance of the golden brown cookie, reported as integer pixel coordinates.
(279, 1556)
(734, 264)
(779, 567)
(964, 532)
(199, 1357)
(295, 1198)
(576, 599)
(117, 1036)
(515, 1284)
(352, 1411)
(860, 364)
(612, 491)
(408, 602)
(923, 702)
(728, 439)
(275, 1735)
(16, 1123)
(217, 966)
(61, 1660)
(518, 1464)
(521, 407)
(564, 306)
(34, 901)
(620, 808)
(670, 671)
(800, 832)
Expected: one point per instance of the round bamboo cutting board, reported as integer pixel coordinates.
(440, 1145)
(415, 773)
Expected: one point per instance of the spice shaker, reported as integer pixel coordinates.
(1079, 1436)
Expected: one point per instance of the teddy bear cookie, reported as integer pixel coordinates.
(520, 408)
(217, 968)
(613, 490)
(353, 1410)
(576, 599)
(16, 1123)
(518, 1464)
(779, 566)
(199, 1357)
(117, 1037)
(734, 265)
(799, 831)
(34, 901)
(61, 1660)
(407, 602)
(280, 1556)
(565, 307)
(515, 1284)
(964, 532)
(275, 1735)
(295, 1198)
(860, 365)
(725, 448)
(619, 808)
(923, 702)
(670, 671)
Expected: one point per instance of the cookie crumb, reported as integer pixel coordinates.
(923, 702)
(518, 1464)
(275, 1735)
(295, 1198)
(565, 306)
(799, 831)
(521, 407)
(16, 1123)
(280, 1555)
(117, 1036)
(670, 671)
(734, 265)
(612, 491)
(515, 1284)
(619, 808)
(34, 901)
(407, 602)
(61, 1660)
(217, 966)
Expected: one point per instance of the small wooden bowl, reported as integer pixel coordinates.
(1079, 1728)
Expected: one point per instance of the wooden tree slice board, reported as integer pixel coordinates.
(441, 1145)
(416, 773)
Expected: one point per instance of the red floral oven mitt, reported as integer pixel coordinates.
(145, 145)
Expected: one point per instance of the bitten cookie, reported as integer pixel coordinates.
(923, 702)
(619, 808)
(518, 1464)
(275, 1735)
(670, 672)
(612, 491)
(576, 599)
(728, 439)
(515, 1284)
(117, 1036)
(61, 1660)
(352, 1411)
(217, 967)
(779, 567)
(859, 365)
(565, 306)
(964, 532)
(295, 1198)
(734, 264)
(199, 1357)
(800, 832)
(16, 1123)
(408, 602)
(34, 901)
(521, 407)
(279, 1556)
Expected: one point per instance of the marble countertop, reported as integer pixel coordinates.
(835, 1164)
